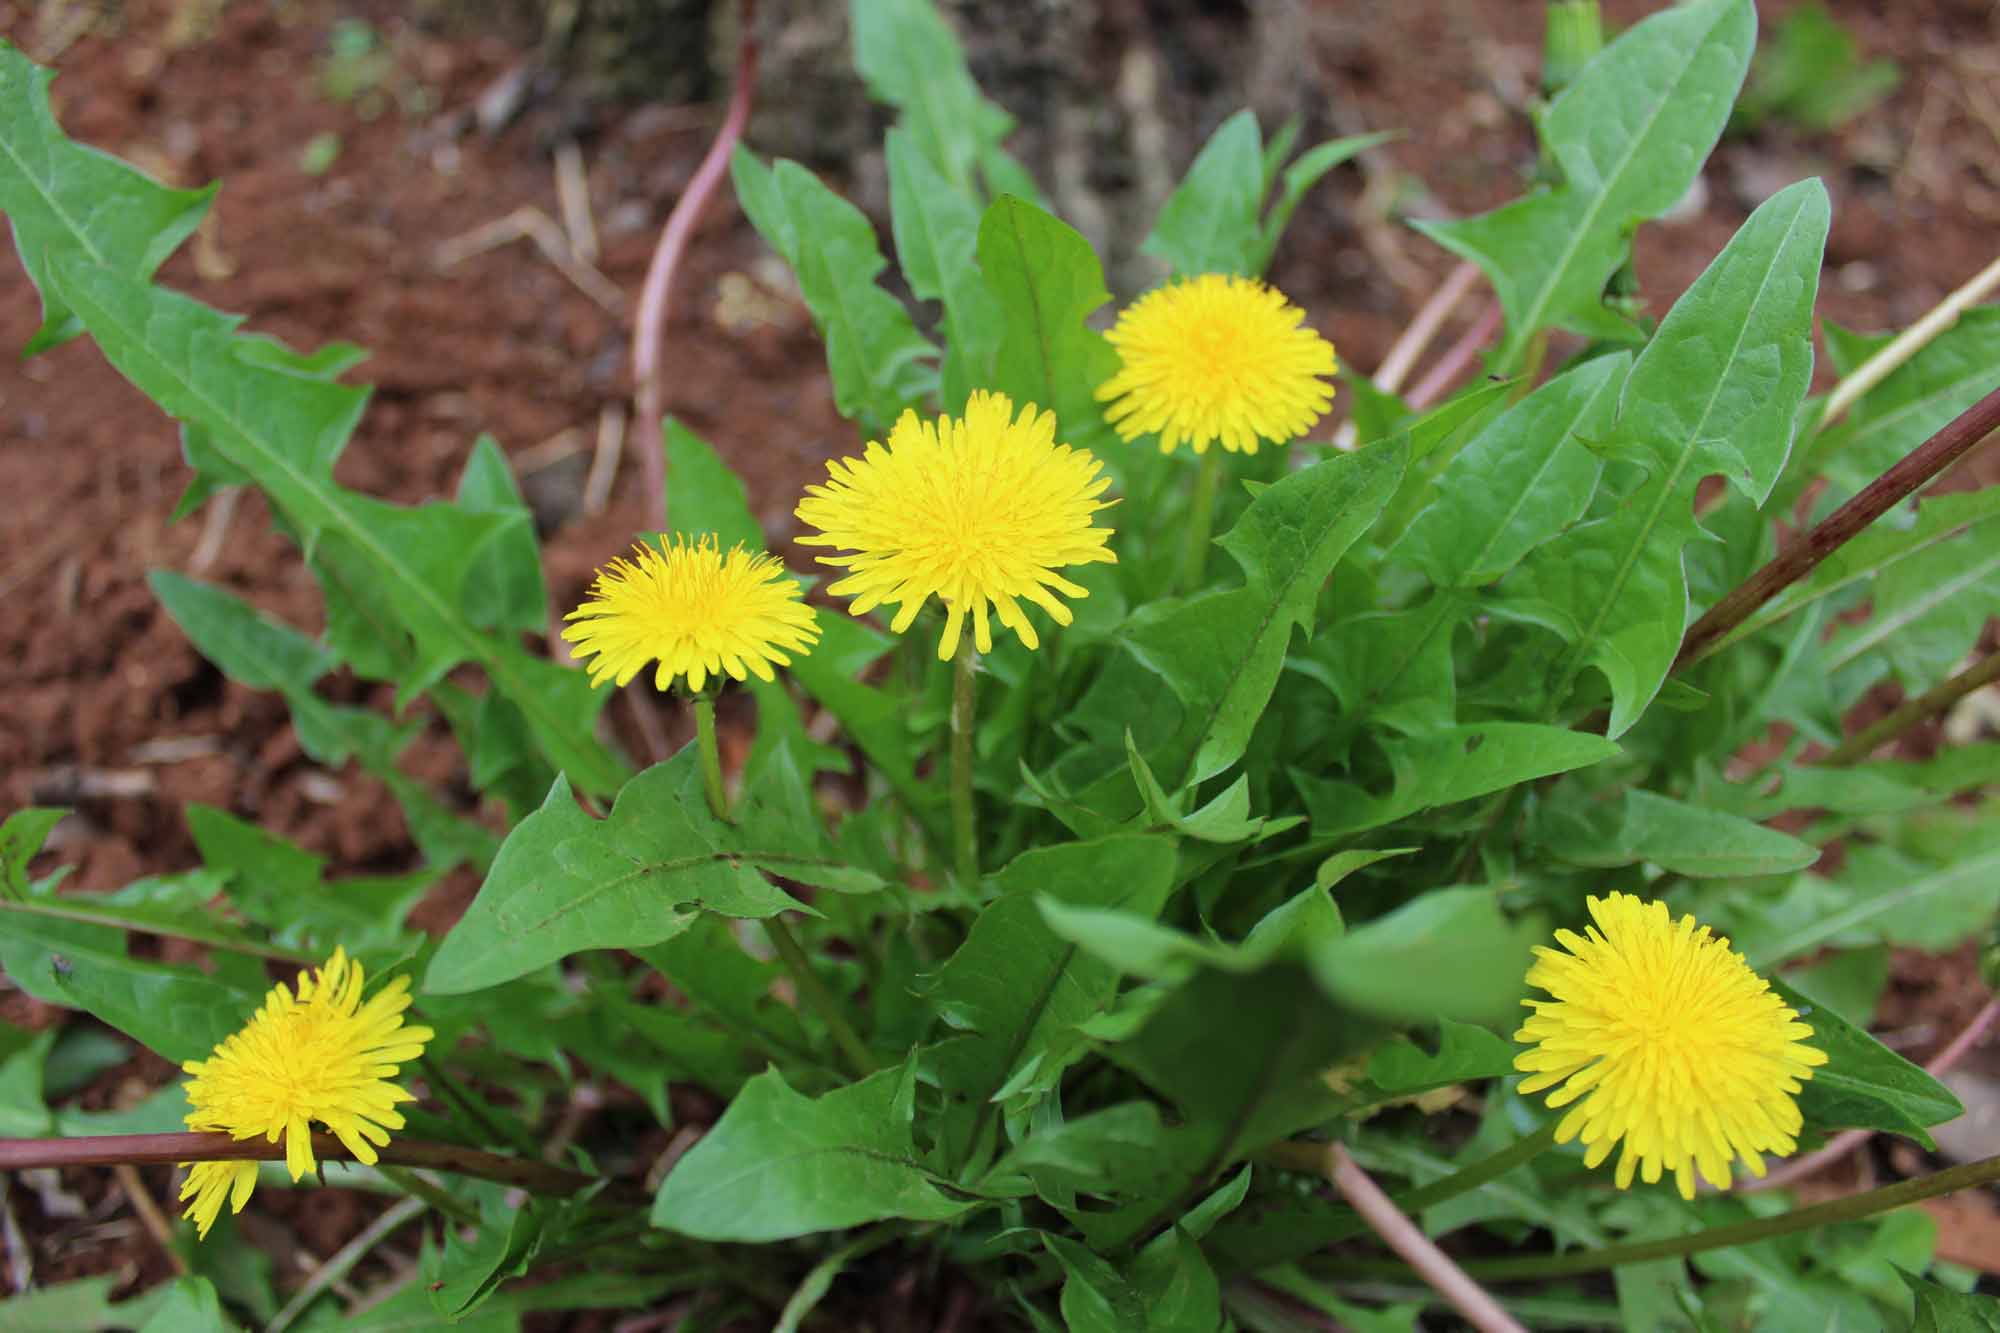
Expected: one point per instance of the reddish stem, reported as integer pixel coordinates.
(650, 327)
(158, 1149)
(1408, 1240)
(1881, 495)
(1403, 356)
(1453, 363)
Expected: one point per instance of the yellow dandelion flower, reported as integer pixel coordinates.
(697, 609)
(320, 1055)
(1217, 358)
(1676, 1047)
(981, 511)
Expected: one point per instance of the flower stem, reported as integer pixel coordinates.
(156, 1149)
(453, 1091)
(814, 992)
(1201, 520)
(429, 1195)
(711, 756)
(964, 816)
(1849, 1209)
(343, 1261)
(1487, 1169)
(1912, 711)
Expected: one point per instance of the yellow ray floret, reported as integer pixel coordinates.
(697, 610)
(980, 511)
(1674, 1046)
(1217, 359)
(320, 1055)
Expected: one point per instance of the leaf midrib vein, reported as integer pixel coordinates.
(1781, 609)
(1667, 491)
(674, 866)
(1243, 660)
(47, 193)
(503, 678)
(1827, 927)
(1880, 627)
(1599, 200)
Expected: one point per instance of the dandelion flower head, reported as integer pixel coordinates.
(322, 1054)
(1668, 1043)
(698, 610)
(980, 511)
(1217, 358)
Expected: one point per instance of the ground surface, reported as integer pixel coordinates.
(106, 709)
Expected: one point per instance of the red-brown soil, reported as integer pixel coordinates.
(105, 708)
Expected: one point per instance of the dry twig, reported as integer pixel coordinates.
(150, 1216)
(531, 223)
(573, 198)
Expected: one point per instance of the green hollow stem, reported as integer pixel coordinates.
(964, 817)
(451, 1090)
(814, 993)
(423, 1192)
(1201, 520)
(1479, 1173)
(1922, 708)
(711, 756)
(1850, 1209)
(343, 1261)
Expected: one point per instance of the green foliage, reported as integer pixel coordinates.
(72, 952)
(1811, 74)
(1020, 990)
(82, 1304)
(1950, 374)
(564, 882)
(1628, 135)
(191, 1306)
(1216, 221)
(1046, 281)
(64, 198)
(1865, 1085)
(937, 238)
(779, 1165)
(1264, 846)
(1221, 653)
(263, 653)
(1942, 1310)
(1941, 521)
(1716, 390)
(911, 60)
(1681, 838)
(878, 360)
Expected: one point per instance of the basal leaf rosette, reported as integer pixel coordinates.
(1217, 359)
(320, 1054)
(979, 511)
(697, 610)
(1675, 1047)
